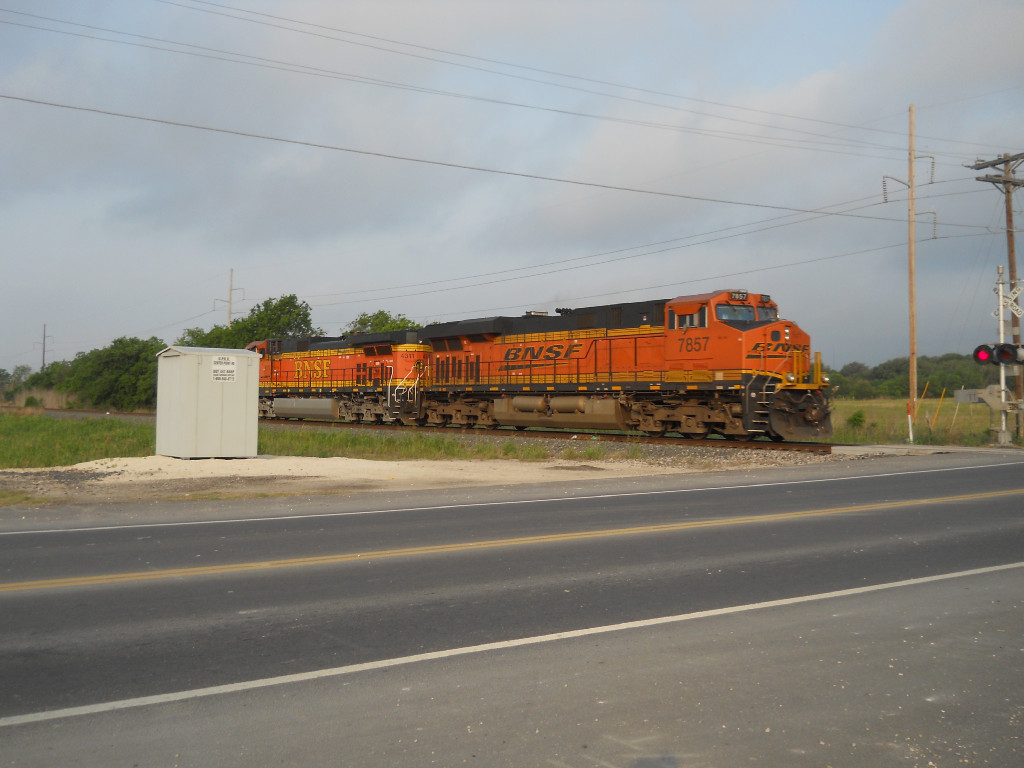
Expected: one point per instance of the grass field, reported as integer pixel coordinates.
(937, 423)
(406, 444)
(36, 440)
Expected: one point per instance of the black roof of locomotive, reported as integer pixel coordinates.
(365, 340)
(302, 344)
(385, 337)
(624, 315)
(630, 315)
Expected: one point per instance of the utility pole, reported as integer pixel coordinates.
(912, 158)
(1007, 182)
(44, 347)
(231, 295)
(911, 270)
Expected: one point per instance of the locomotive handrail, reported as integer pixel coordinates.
(398, 392)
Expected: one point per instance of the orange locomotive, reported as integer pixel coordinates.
(718, 362)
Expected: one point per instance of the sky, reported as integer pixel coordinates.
(458, 159)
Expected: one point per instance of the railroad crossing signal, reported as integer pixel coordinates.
(1010, 302)
(999, 354)
(1009, 354)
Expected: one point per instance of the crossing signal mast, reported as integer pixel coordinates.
(1008, 356)
(1007, 183)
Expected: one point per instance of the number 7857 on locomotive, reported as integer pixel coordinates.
(714, 363)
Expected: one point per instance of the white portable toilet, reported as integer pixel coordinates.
(207, 403)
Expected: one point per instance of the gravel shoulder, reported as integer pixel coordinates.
(155, 478)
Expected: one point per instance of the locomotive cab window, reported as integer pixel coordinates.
(767, 313)
(698, 319)
(744, 313)
(735, 314)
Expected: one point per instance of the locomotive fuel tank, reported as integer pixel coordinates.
(572, 412)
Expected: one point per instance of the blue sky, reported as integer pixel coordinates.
(572, 153)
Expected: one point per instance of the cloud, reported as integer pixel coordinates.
(748, 114)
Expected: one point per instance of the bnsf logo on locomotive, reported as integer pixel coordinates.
(549, 352)
(312, 369)
(782, 347)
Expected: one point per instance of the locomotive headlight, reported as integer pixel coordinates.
(825, 379)
(787, 333)
(790, 378)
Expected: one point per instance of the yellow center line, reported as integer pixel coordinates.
(469, 546)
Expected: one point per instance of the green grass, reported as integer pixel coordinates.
(30, 440)
(885, 422)
(403, 444)
(584, 453)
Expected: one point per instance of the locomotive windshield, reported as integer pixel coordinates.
(767, 313)
(736, 313)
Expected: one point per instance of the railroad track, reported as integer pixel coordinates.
(562, 434)
(536, 434)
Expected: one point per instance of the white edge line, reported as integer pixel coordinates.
(251, 685)
(509, 502)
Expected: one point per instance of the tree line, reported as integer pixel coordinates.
(122, 376)
(891, 379)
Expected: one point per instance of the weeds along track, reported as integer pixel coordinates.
(567, 435)
(582, 437)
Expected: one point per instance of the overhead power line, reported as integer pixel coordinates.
(662, 246)
(637, 89)
(659, 287)
(436, 163)
(802, 139)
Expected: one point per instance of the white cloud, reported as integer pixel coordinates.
(115, 226)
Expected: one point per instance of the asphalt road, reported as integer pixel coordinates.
(865, 613)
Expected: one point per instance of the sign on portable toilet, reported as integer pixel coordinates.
(207, 403)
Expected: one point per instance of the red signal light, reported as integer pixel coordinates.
(984, 353)
(999, 354)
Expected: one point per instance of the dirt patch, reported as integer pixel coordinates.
(161, 478)
(157, 477)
